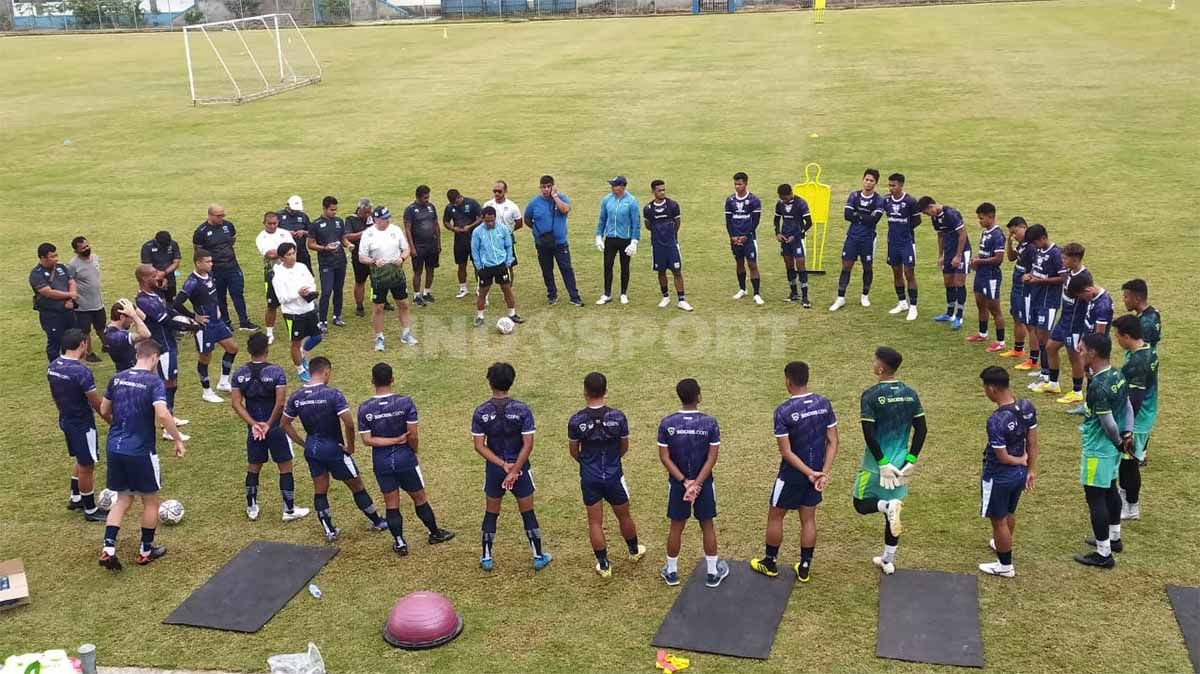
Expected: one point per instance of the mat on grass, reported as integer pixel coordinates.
(737, 618)
(930, 617)
(249, 590)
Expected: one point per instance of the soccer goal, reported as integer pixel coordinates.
(246, 59)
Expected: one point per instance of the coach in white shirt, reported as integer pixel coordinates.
(296, 290)
(508, 212)
(384, 249)
(268, 242)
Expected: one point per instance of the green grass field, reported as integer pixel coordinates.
(1073, 114)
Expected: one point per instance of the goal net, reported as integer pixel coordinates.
(242, 60)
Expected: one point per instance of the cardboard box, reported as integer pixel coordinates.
(14, 586)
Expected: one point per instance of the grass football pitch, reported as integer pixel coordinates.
(1076, 115)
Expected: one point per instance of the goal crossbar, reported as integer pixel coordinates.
(287, 77)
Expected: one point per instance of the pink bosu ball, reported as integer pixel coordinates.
(422, 620)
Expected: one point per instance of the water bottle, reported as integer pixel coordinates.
(314, 591)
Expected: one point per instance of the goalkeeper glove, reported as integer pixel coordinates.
(889, 476)
(600, 243)
(631, 249)
(909, 468)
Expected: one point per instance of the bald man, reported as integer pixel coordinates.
(219, 237)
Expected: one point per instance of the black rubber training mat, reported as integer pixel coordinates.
(930, 617)
(1186, 602)
(737, 618)
(248, 591)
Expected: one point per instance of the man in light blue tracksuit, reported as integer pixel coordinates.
(617, 233)
(492, 254)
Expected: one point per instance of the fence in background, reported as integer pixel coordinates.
(82, 15)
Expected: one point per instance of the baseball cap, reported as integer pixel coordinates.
(381, 213)
(619, 180)
(295, 202)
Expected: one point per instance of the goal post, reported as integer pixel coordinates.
(241, 60)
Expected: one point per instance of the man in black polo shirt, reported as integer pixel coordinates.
(355, 225)
(295, 220)
(162, 252)
(421, 228)
(325, 237)
(462, 215)
(54, 298)
(218, 236)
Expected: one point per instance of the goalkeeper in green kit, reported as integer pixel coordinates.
(889, 410)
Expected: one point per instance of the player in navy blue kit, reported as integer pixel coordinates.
(989, 277)
(688, 443)
(1066, 332)
(1009, 465)
(1043, 289)
(597, 438)
(662, 218)
(502, 430)
(162, 322)
(863, 210)
(388, 425)
(903, 218)
(73, 389)
(259, 394)
(125, 328)
(954, 256)
(201, 291)
(743, 210)
(329, 445)
(135, 400)
(1018, 251)
(792, 222)
(806, 432)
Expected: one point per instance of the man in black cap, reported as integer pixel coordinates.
(162, 252)
(218, 236)
(54, 297)
(617, 233)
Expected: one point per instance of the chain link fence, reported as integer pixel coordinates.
(83, 15)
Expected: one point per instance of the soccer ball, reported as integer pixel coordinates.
(505, 325)
(170, 512)
(107, 499)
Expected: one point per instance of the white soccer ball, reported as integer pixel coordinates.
(170, 512)
(107, 499)
(505, 325)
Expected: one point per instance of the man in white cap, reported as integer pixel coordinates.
(295, 220)
(268, 242)
(384, 248)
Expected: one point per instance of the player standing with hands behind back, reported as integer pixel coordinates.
(688, 444)
(806, 432)
(135, 400)
(598, 437)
